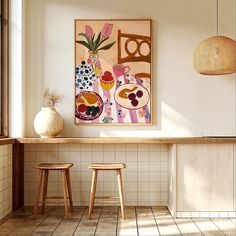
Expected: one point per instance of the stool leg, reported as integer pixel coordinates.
(69, 190)
(37, 194)
(119, 179)
(45, 186)
(92, 192)
(64, 183)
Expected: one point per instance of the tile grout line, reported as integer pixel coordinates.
(217, 226)
(71, 152)
(155, 221)
(79, 220)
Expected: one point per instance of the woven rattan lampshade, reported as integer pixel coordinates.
(215, 56)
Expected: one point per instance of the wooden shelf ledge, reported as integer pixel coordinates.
(164, 140)
(5, 141)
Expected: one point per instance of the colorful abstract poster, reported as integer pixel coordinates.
(113, 72)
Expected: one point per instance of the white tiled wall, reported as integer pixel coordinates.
(206, 214)
(144, 179)
(5, 180)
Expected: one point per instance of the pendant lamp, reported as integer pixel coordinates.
(215, 55)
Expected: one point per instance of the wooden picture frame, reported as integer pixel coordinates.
(113, 69)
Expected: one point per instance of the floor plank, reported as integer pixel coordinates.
(107, 221)
(146, 222)
(27, 227)
(107, 224)
(187, 227)
(129, 225)
(87, 227)
(226, 226)
(50, 223)
(68, 226)
(207, 227)
(11, 223)
(165, 222)
(233, 220)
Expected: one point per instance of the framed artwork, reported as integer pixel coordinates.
(113, 72)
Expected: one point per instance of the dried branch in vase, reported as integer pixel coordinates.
(51, 98)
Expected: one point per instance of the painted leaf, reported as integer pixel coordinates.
(102, 41)
(83, 43)
(88, 40)
(93, 39)
(108, 46)
(97, 41)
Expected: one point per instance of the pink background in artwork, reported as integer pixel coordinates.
(109, 57)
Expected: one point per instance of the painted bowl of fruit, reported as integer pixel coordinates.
(132, 96)
(107, 81)
(88, 105)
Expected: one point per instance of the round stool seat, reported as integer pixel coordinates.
(107, 166)
(54, 166)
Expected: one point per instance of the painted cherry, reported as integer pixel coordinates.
(82, 108)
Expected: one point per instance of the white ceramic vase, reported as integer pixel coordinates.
(48, 123)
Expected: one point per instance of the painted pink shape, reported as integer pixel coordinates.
(96, 89)
(138, 81)
(89, 31)
(120, 118)
(106, 30)
(132, 113)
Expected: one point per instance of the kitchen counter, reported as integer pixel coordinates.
(201, 170)
(160, 140)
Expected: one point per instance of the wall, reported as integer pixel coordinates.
(144, 179)
(184, 102)
(5, 180)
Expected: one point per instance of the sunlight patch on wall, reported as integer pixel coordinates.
(174, 123)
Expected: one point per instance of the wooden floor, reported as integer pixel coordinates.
(106, 221)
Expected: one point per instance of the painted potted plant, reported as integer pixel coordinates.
(48, 123)
(96, 43)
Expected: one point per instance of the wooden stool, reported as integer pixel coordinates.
(44, 169)
(110, 199)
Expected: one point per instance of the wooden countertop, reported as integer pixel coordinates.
(166, 140)
(5, 141)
